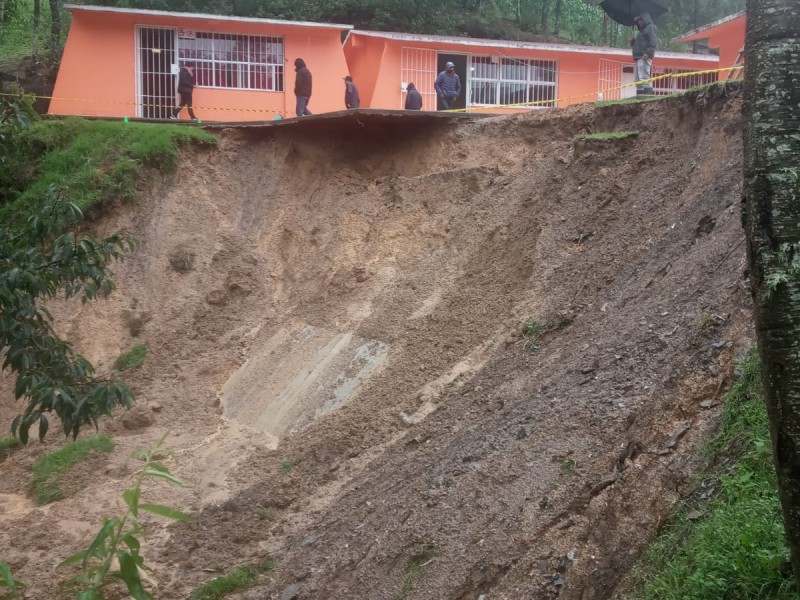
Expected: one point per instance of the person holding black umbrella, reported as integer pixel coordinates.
(643, 47)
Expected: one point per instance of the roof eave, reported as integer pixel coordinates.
(697, 34)
(205, 17)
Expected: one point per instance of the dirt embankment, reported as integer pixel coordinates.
(334, 331)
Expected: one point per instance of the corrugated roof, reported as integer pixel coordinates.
(463, 41)
(693, 33)
(205, 17)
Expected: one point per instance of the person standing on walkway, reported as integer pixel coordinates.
(302, 87)
(643, 47)
(413, 98)
(351, 99)
(185, 90)
(448, 86)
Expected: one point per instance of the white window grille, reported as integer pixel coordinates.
(418, 66)
(231, 61)
(496, 81)
(676, 85)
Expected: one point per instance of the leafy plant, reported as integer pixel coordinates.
(735, 548)
(421, 557)
(10, 587)
(8, 442)
(114, 553)
(241, 578)
(568, 465)
(533, 331)
(132, 359)
(51, 469)
(286, 466)
(38, 262)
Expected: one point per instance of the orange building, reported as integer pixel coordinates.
(727, 35)
(501, 72)
(123, 62)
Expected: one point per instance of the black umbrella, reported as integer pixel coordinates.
(624, 11)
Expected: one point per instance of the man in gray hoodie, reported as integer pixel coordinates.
(643, 47)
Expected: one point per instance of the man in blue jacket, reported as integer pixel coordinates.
(413, 98)
(351, 98)
(643, 47)
(448, 86)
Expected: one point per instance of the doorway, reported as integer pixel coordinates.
(460, 61)
(157, 66)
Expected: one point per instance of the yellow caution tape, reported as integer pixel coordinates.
(553, 103)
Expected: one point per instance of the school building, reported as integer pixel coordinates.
(495, 72)
(121, 62)
(726, 36)
(124, 62)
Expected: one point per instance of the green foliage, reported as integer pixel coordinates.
(93, 160)
(568, 464)
(8, 442)
(782, 266)
(605, 136)
(132, 359)
(286, 466)
(736, 548)
(37, 263)
(10, 587)
(117, 540)
(421, 556)
(50, 470)
(533, 331)
(241, 578)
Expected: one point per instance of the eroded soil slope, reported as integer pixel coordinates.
(334, 322)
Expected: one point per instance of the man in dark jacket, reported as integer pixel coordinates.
(644, 49)
(413, 98)
(448, 86)
(302, 87)
(351, 99)
(185, 90)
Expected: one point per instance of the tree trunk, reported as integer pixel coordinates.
(55, 25)
(545, 11)
(771, 217)
(557, 26)
(37, 21)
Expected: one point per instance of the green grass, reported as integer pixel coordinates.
(132, 359)
(286, 466)
(50, 470)
(632, 100)
(8, 443)
(92, 160)
(733, 547)
(604, 136)
(420, 557)
(241, 578)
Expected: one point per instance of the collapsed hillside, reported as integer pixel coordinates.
(468, 359)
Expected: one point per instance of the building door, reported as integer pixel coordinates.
(418, 66)
(628, 79)
(460, 61)
(157, 67)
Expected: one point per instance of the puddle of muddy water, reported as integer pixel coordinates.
(300, 374)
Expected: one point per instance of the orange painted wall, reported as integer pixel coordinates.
(727, 37)
(97, 74)
(577, 72)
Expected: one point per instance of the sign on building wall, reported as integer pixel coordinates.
(186, 34)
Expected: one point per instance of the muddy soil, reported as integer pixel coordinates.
(336, 348)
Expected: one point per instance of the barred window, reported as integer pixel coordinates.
(675, 85)
(512, 81)
(231, 61)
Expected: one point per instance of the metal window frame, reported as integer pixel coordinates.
(500, 80)
(137, 49)
(214, 62)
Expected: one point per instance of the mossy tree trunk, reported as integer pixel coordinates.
(771, 217)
